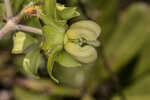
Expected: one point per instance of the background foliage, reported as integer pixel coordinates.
(126, 40)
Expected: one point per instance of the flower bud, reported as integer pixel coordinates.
(81, 40)
(22, 42)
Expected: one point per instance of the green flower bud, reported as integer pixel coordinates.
(81, 40)
(22, 42)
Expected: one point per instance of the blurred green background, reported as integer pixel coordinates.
(126, 40)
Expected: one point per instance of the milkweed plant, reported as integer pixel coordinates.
(68, 45)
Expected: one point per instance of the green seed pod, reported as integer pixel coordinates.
(81, 40)
(86, 54)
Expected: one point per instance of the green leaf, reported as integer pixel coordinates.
(51, 22)
(130, 36)
(53, 37)
(32, 62)
(142, 67)
(67, 60)
(107, 16)
(66, 13)
(22, 41)
(47, 20)
(51, 60)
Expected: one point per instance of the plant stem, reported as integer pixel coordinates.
(8, 9)
(18, 17)
(9, 27)
(29, 29)
(46, 86)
